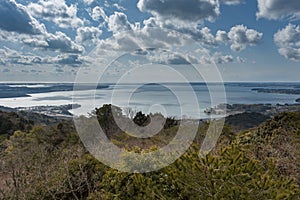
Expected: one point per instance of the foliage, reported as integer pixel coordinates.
(141, 119)
(10, 122)
(49, 162)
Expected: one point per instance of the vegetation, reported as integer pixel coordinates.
(246, 120)
(10, 122)
(49, 162)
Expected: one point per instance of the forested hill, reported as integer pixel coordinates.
(49, 162)
(12, 120)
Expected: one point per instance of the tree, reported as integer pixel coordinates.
(105, 116)
(141, 119)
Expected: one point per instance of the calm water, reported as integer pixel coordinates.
(172, 99)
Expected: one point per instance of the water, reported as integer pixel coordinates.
(171, 99)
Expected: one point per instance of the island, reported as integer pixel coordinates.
(277, 91)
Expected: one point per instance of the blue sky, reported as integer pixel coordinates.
(51, 40)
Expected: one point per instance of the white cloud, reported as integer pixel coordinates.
(217, 58)
(34, 41)
(60, 41)
(118, 22)
(117, 6)
(67, 59)
(203, 35)
(206, 36)
(240, 59)
(288, 41)
(20, 27)
(10, 56)
(97, 13)
(14, 17)
(55, 42)
(240, 36)
(290, 53)
(222, 36)
(164, 57)
(128, 36)
(181, 11)
(57, 11)
(278, 9)
(221, 59)
(88, 35)
(231, 2)
(88, 2)
(13, 57)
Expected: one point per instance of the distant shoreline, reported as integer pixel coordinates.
(61, 111)
(278, 91)
(8, 90)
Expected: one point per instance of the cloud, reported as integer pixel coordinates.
(131, 37)
(217, 58)
(231, 2)
(222, 36)
(18, 25)
(240, 59)
(221, 59)
(26, 60)
(117, 6)
(67, 59)
(240, 36)
(56, 11)
(127, 36)
(167, 58)
(118, 22)
(192, 11)
(88, 2)
(203, 35)
(88, 35)
(15, 18)
(14, 57)
(35, 41)
(288, 41)
(60, 41)
(278, 9)
(56, 42)
(98, 13)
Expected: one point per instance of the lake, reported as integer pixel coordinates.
(171, 99)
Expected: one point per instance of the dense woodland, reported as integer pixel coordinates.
(42, 160)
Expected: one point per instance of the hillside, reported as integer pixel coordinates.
(11, 121)
(277, 139)
(49, 162)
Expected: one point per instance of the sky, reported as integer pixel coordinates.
(92, 40)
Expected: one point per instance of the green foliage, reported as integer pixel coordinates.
(10, 122)
(230, 174)
(49, 162)
(105, 116)
(279, 139)
(141, 119)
